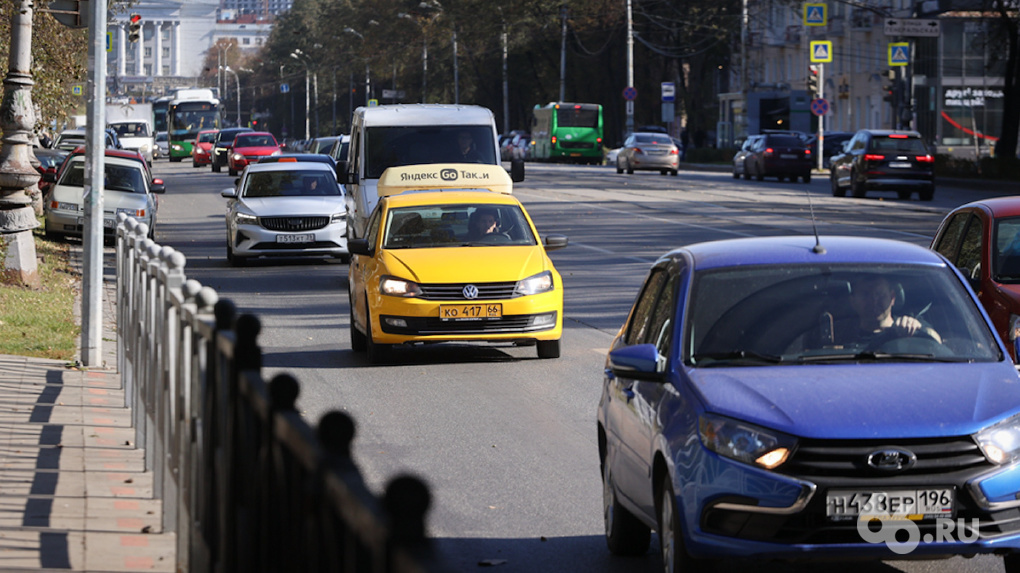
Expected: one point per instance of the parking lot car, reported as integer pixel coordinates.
(127, 189)
(201, 152)
(648, 152)
(740, 158)
(451, 255)
(249, 147)
(982, 239)
(884, 160)
(780, 155)
(222, 146)
(774, 398)
(290, 209)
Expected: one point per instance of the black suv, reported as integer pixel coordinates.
(222, 146)
(884, 160)
(781, 155)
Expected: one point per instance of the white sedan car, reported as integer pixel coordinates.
(127, 189)
(292, 208)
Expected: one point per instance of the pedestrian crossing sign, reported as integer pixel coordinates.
(899, 53)
(815, 14)
(821, 52)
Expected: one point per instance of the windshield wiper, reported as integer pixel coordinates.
(877, 357)
(723, 358)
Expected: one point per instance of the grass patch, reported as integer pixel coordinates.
(40, 323)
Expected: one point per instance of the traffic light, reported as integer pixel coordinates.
(812, 80)
(889, 88)
(135, 28)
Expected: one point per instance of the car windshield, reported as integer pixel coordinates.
(302, 183)
(456, 225)
(892, 144)
(653, 139)
(134, 129)
(118, 177)
(254, 141)
(415, 145)
(816, 314)
(205, 137)
(785, 141)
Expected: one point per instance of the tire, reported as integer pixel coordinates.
(630, 170)
(736, 175)
(54, 236)
(619, 169)
(175, 159)
(663, 171)
(234, 260)
(358, 341)
(548, 348)
(903, 195)
(837, 191)
(806, 178)
(857, 189)
(926, 194)
(675, 558)
(215, 168)
(675, 172)
(747, 175)
(625, 534)
(232, 172)
(758, 174)
(375, 352)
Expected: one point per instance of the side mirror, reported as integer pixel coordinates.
(158, 186)
(341, 172)
(49, 177)
(639, 362)
(358, 247)
(517, 170)
(553, 242)
(229, 193)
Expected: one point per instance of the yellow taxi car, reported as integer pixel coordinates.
(451, 255)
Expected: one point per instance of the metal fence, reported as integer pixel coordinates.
(247, 484)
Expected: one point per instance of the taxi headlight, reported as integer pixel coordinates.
(393, 286)
(245, 219)
(744, 442)
(536, 284)
(1000, 443)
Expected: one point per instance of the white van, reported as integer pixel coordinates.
(412, 134)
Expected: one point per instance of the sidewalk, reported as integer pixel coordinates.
(74, 495)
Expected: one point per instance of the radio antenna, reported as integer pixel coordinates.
(818, 244)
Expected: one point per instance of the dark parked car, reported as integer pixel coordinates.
(780, 155)
(884, 160)
(983, 240)
(222, 146)
(740, 159)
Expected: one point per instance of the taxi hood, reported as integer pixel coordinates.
(466, 264)
(861, 401)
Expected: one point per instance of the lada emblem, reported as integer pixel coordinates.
(470, 291)
(891, 459)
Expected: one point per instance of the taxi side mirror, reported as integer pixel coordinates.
(517, 170)
(553, 242)
(358, 247)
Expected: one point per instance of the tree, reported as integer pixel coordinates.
(1009, 23)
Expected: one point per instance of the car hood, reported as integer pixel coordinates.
(288, 206)
(260, 150)
(861, 401)
(466, 264)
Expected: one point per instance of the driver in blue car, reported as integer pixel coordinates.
(872, 299)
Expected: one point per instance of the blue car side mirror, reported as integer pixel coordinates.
(639, 362)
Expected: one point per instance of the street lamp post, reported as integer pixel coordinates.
(368, 81)
(237, 80)
(297, 55)
(424, 53)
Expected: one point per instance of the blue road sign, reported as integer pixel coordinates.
(899, 53)
(814, 14)
(819, 106)
(284, 88)
(821, 51)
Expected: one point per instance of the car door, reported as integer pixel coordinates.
(631, 416)
(362, 269)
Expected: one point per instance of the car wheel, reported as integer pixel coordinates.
(357, 337)
(232, 172)
(215, 168)
(837, 191)
(54, 235)
(548, 348)
(233, 259)
(376, 353)
(856, 187)
(903, 195)
(675, 558)
(619, 168)
(758, 174)
(747, 175)
(736, 175)
(806, 178)
(675, 172)
(1011, 562)
(625, 534)
(926, 194)
(630, 169)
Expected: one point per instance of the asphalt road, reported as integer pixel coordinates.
(505, 440)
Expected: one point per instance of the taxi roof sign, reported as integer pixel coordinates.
(444, 176)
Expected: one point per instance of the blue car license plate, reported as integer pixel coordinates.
(914, 504)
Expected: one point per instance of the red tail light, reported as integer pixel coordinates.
(807, 152)
(554, 140)
(768, 151)
(898, 136)
(598, 140)
(925, 159)
(637, 151)
(674, 151)
(873, 157)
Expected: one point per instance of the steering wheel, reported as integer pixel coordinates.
(890, 334)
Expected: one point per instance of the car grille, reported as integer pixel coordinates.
(421, 326)
(293, 224)
(848, 458)
(486, 291)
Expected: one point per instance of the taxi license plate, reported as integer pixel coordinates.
(913, 504)
(470, 311)
(295, 238)
(900, 164)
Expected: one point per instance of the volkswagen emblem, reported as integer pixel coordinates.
(891, 460)
(470, 291)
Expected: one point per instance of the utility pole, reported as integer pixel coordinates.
(630, 69)
(563, 53)
(17, 119)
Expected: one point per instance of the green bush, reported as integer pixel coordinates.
(710, 155)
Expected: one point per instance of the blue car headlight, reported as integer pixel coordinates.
(535, 284)
(1000, 443)
(393, 286)
(745, 442)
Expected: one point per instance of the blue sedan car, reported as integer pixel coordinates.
(782, 399)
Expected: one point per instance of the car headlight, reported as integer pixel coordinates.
(176, 147)
(245, 219)
(1000, 443)
(238, 157)
(539, 283)
(393, 286)
(131, 212)
(338, 217)
(277, 152)
(745, 442)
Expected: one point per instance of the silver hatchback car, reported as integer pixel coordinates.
(286, 209)
(648, 152)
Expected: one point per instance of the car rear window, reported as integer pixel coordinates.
(785, 141)
(898, 144)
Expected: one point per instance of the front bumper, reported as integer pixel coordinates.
(251, 240)
(398, 320)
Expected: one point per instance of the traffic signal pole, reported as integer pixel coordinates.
(821, 118)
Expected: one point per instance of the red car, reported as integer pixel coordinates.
(201, 152)
(983, 240)
(249, 147)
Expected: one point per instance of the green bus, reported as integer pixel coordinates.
(570, 132)
(188, 113)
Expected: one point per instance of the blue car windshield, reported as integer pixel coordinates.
(817, 314)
